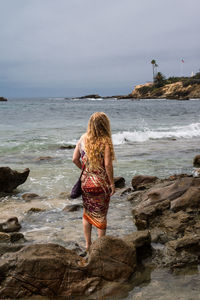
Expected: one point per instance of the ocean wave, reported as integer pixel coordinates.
(95, 99)
(188, 131)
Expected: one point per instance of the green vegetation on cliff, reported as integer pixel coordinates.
(181, 88)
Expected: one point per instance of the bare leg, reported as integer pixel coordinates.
(101, 232)
(87, 228)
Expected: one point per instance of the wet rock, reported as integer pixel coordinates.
(196, 161)
(67, 147)
(29, 196)
(119, 182)
(72, 207)
(16, 237)
(142, 242)
(11, 225)
(112, 259)
(135, 196)
(158, 199)
(196, 172)
(35, 210)
(51, 270)
(190, 199)
(10, 179)
(64, 195)
(4, 237)
(10, 237)
(8, 247)
(125, 191)
(44, 158)
(181, 252)
(141, 182)
(170, 210)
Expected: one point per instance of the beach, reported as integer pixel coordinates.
(151, 137)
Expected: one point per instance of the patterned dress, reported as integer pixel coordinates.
(95, 192)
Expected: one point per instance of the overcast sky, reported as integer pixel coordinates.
(76, 47)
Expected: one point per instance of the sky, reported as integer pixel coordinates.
(67, 48)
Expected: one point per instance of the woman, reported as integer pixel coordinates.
(94, 154)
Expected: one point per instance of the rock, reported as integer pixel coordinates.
(73, 207)
(125, 191)
(170, 210)
(133, 197)
(119, 182)
(64, 195)
(4, 237)
(10, 225)
(10, 237)
(35, 210)
(51, 271)
(44, 158)
(8, 247)
(3, 99)
(156, 200)
(67, 147)
(16, 236)
(141, 182)
(111, 259)
(10, 179)
(91, 96)
(196, 172)
(196, 161)
(182, 252)
(29, 196)
(142, 242)
(190, 199)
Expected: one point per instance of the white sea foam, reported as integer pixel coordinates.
(95, 99)
(188, 131)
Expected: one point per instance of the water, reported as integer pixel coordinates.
(152, 137)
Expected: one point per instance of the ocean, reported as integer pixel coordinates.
(151, 137)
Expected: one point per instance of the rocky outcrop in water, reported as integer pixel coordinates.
(3, 99)
(51, 270)
(11, 225)
(177, 91)
(170, 210)
(196, 161)
(10, 179)
(10, 239)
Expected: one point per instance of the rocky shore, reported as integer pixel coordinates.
(166, 213)
(179, 90)
(176, 91)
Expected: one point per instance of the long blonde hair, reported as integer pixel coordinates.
(97, 136)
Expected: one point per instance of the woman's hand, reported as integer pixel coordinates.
(112, 187)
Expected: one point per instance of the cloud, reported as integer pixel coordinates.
(65, 47)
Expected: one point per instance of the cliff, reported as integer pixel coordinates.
(177, 90)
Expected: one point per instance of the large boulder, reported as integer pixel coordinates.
(10, 179)
(51, 270)
(112, 259)
(163, 196)
(196, 161)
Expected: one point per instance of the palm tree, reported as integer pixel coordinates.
(154, 66)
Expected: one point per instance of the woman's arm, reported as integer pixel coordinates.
(109, 168)
(77, 156)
